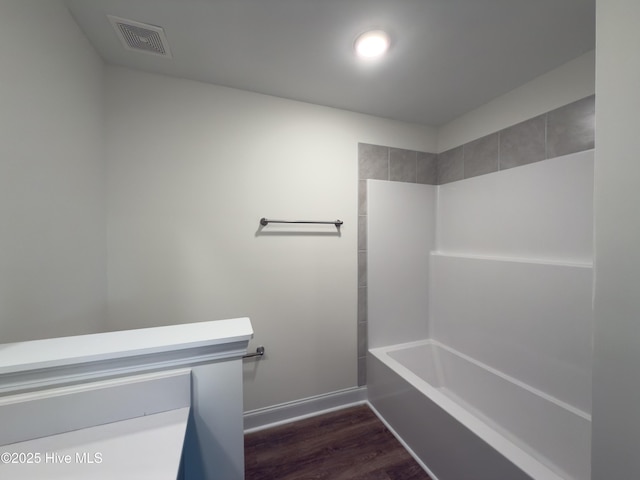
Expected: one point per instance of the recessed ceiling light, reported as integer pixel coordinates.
(372, 44)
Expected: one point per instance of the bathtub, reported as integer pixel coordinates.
(465, 420)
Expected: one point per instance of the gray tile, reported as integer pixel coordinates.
(402, 165)
(481, 156)
(362, 232)
(373, 162)
(362, 197)
(362, 371)
(450, 165)
(523, 143)
(362, 339)
(362, 269)
(426, 168)
(571, 128)
(362, 304)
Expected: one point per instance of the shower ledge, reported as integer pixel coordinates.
(577, 263)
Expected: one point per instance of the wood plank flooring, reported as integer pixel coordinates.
(349, 444)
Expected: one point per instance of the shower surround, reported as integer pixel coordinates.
(480, 320)
(562, 131)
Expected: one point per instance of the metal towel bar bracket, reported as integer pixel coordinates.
(259, 353)
(264, 222)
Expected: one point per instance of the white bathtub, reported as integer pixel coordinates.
(465, 420)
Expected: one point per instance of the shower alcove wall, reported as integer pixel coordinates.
(480, 300)
(479, 319)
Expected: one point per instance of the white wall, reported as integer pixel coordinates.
(52, 218)
(616, 379)
(511, 284)
(530, 320)
(542, 211)
(191, 170)
(401, 233)
(565, 84)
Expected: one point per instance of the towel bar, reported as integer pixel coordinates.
(259, 353)
(264, 222)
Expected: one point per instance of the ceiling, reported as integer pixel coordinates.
(447, 56)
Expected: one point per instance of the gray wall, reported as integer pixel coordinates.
(566, 84)
(52, 194)
(616, 378)
(176, 175)
(191, 170)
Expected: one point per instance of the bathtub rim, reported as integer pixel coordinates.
(512, 452)
(403, 346)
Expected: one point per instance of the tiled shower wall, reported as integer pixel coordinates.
(562, 131)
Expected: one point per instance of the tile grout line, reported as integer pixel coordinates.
(463, 177)
(499, 152)
(546, 127)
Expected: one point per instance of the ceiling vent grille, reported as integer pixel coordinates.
(141, 37)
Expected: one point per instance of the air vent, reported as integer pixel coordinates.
(140, 37)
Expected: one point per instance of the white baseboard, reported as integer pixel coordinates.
(262, 418)
(402, 442)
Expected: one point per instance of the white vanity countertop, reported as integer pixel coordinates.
(143, 448)
(54, 352)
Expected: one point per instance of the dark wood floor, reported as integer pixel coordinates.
(350, 444)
